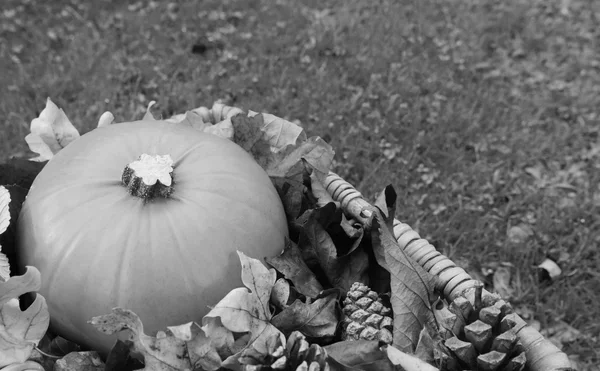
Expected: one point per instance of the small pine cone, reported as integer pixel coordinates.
(365, 315)
(295, 355)
(479, 335)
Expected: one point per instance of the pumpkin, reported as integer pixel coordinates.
(146, 216)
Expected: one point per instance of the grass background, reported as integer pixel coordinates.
(483, 115)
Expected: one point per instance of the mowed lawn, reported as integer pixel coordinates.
(484, 115)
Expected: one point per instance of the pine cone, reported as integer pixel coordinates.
(365, 316)
(480, 336)
(295, 355)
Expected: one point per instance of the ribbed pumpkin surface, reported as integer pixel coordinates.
(97, 247)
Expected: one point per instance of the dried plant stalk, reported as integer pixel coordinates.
(541, 354)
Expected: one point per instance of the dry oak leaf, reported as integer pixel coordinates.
(165, 352)
(244, 312)
(21, 331)
(51, 131)
(412, 286)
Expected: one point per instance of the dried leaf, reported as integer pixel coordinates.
(352, 268)
(425, 346)
(280, 293)
(62, 346)
(148, 115)
(88, 361)
(320, 251)
(316, 318)
(354, 233)
(195, 120)
(4, 223)
(279, 133)
(315, 151)
(224, 341)
(8, 237)
(21, 331)
(16, 286)
(120, 359)
(190, 118)
(244, 312)
(201, 351)
(249, 136)
(51, 131)
(357, 355)
(223, 129)
(407, 361)
(292, 266)
(292, 195)
(106, 119)
(24, 366)
(412, 286)
(4, 210)
(165, 352)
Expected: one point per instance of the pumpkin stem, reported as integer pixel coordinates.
(149, 176)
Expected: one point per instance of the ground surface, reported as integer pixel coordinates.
(484, 115)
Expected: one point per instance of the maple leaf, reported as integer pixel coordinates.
(315, 318)
(244, 312)
(412, 286)
(364, 355)
(165, 352)
(21, 331)
(51, 131)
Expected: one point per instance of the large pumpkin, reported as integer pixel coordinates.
(99, 243)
